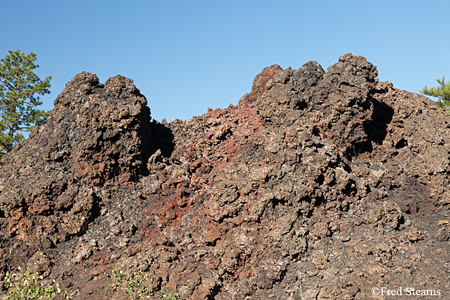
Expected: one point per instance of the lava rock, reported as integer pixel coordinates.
(317, 185)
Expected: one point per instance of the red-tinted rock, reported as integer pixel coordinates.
(259, 84)
(318, 184)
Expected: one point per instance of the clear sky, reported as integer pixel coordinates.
(186, 56)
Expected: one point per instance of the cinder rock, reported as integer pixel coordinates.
(318, 185)
(40, 263)
(96, 135)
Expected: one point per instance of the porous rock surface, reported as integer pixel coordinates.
(318, 185)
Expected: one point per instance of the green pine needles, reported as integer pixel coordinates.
(442, 93)
(20, 88)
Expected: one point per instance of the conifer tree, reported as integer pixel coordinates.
(20, 88)
(442, 93)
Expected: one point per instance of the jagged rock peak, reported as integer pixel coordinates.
(353, 70)
(104, 128)
(96, 135)
(259, 84)
(84, 83)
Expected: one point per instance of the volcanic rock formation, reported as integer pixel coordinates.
(318, 185)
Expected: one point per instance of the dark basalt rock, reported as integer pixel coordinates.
(96, 135)
(318, 185)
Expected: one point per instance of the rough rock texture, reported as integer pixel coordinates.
(97, 135)
(318, 185)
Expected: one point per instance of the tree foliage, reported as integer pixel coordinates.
(20, 88)
(442, 92)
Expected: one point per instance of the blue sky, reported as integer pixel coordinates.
(186, 56)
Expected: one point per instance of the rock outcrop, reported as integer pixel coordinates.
(97, 135)
(318, 185)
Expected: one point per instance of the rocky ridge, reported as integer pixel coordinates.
(317, 185)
